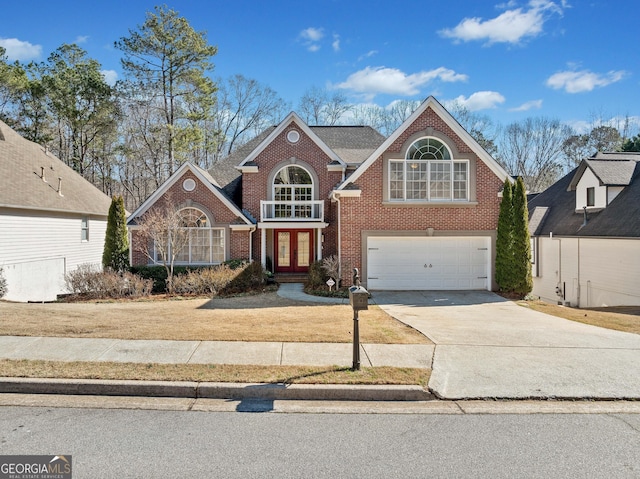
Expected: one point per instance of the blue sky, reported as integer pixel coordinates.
(575, 60)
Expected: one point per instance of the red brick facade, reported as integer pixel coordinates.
(370, 213)
(278, 154)
(202, 198)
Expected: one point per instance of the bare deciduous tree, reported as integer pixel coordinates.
(162, 236)
(245, 107)
(318, 106)
(532, 149)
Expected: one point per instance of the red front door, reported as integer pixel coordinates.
(293, 250)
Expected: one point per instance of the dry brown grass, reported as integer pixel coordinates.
(213, 373)
(264, 317)
(621, 318)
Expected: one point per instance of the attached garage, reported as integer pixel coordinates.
(428, 263)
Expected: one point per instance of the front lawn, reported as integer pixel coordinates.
(263, 317)
(620, 318)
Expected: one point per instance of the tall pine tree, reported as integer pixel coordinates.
(116, 243)
(504, 241)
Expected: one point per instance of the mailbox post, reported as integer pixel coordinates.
(359, 300)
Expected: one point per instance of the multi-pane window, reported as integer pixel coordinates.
(292, 187)
(84, 229)
(428, 173)
(196, 241)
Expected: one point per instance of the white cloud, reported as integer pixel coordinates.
(312, 34)
(511, 26)
(110, 76)
(310, 38)
(481, 100)
(336, 43)
(20, 50)
(369, 54)
(530, 105)
(81, 39)
(374, 80)
(580, 81)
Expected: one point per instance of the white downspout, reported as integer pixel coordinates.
(578, 291)
(336, 197)
(263, 247)
(251, 231)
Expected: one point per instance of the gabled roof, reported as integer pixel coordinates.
(611, 169)
(284, 124)
(432, 103)
(225, 171)
(621, 218)
(352, 144)
(204, 177)
(22, 185)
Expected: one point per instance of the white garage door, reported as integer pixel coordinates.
(428, 263)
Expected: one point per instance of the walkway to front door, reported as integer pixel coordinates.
(294, 250)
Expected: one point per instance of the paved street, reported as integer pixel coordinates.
(153, 444)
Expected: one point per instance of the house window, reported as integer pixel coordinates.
(84, 229)
(293, 193)
(196, 241)
(428, 173)
(591, 196)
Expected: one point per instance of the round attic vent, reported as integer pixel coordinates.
(293, 136)
(189, 185)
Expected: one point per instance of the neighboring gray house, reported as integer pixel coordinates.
(51, 219)
(586, 234)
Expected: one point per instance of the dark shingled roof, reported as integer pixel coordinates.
(621, 218)
(21, 185)
(353, 144)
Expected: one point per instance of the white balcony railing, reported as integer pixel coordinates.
(292, 210)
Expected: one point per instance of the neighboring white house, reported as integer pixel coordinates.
(51, 219)
(586, 234)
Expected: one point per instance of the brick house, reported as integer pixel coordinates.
(416, 210)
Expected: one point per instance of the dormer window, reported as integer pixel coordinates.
(428, 173)
(591, 196)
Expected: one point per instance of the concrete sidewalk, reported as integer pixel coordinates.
(217, 352)
(296, 292)
(213, 352)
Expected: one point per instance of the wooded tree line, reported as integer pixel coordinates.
(128, 138)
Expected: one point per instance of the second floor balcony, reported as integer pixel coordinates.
(292, 210)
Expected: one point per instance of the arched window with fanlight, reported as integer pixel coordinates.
(293, 192)
(428, 172)
(194, 240)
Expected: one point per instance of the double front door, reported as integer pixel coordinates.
(293, 250)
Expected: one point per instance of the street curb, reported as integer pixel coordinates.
(195, 390)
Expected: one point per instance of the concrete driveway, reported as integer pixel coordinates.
(488, 347)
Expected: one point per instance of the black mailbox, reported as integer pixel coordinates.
(358, 298)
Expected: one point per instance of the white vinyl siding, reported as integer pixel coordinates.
(26, 237)
(607, 274)
(589, 180)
